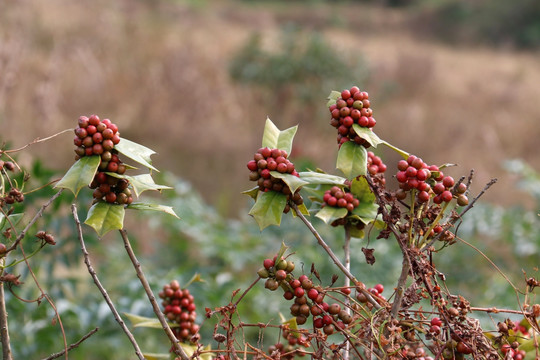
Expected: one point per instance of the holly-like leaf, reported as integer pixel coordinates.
(136, 152)
(332, 98)
(80, 174)
(141, 183)
(403, 153)
(151, 356)
(366, 212)
(274, 138)
(268, 208)
(303, 210)
(352, 159)
(318, 178)
(292, 181)
(143, 321)
(104, 217)
(329, 214)
(154, 207)
(361, 190)
(356, 233)
(252, 193)
(367, 134)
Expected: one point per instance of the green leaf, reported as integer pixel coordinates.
(274, 138)
(14, 219)
(252, 193)
(356, 233)
(317, 178)
(365, 212)
(367, 134)
(150, 356)
(104, 217)
(293, 182)
(136, 152)
(361, 190)
(154, 207)
(268, 208)
(352, 159)
(329, 214)
(80, 174)
(141, 183)
(403, 153)
(303, 210)
(332, 98)
(143, 321)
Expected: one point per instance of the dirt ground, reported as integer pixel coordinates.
(160, 71)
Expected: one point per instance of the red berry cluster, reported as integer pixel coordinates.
(377, 290)
(266, 160)
(414, 173)
(111, 189)
(179, 308)
(374, 164)
(337, 197)
(295, 346)
(308, 298)
(511, 352)
(352, 107)
(95, 136)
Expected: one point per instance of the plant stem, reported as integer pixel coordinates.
(72, 346)
(178, 350)
(93, 273)
(334, 258)
(400, 288)
(347, 255)
(4, 332)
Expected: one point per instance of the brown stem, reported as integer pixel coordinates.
(178, 350)
(33, 221)
(72, 346)
(400, 288)
(4, 332)
(93, 273)
(334, 257)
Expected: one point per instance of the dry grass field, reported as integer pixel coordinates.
(160, 71)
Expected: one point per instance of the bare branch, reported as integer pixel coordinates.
(92, 272)
(72, 346)
(178, 350)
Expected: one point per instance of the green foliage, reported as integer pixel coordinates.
(352, 159)
(80, 174)
(495, 22)
(268, 208)
(273, 138)
(305, 63)
(105, 217)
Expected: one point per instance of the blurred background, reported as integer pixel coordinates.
(450, 81)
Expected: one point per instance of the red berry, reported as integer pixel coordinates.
(363, 121)
(313, 293)
(112, 167)
(448, 181)
(91, 130)
(107, 133)
(402, 165)
(115, 139)
(379, 288)
(332, 201)
(411, 171)
(113, 127)
(438, 188)
(110, 197)
(268, 263)
(83, 121)
(94, 120)
(436, 321)
(97, 138)
(446, 196)
(401, 176)
(282, 168)
(423, 196)
(299, 292)
(345, 94)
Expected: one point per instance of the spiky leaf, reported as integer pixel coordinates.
(367, 134)
(318, 178)
(403, 153)
(104, 217)
(274, 138)
(141, 183)
(136, 152)
(329, 214)
(154, 207)
(80, 174)
(292, 181)
(268, 208)
(352, 159)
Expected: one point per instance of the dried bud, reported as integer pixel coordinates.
(11, 279)
(49, 239)
(220, 338)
